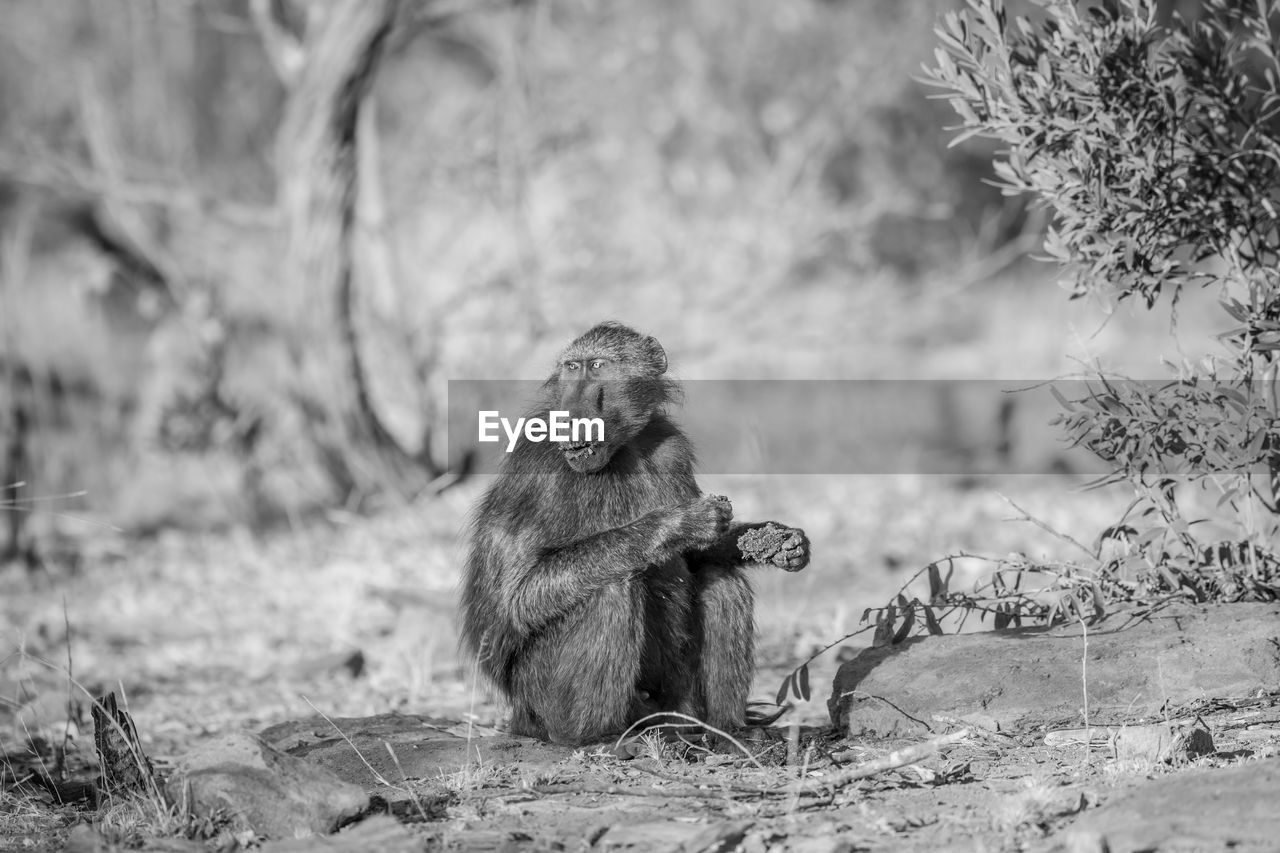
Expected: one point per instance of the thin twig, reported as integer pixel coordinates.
(619, 791)
(895, 759)
(1084, 676)
(43, 498)
(664, 714)
(377, 777)
(285, 53)
(471, 708)
(68, 178)
(413, 795)
(866, 695)
(699, 780)
(66, 731)
(1065, 537)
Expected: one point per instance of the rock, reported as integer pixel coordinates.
(381, 833)
(828, 844)
(1083, 841)
(423, 747)
(263, 789)
(1220, 809)
(674, 837)
(1163, 743)
(1158, 743)
(85, 839)
(1024, 677)
(351, 663)
(488, 841)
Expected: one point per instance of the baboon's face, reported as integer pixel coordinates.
(614, 374)
(597, 387)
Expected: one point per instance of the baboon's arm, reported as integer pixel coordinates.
(767, 542)
(541, 584)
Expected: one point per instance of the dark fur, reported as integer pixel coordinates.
(605, 588)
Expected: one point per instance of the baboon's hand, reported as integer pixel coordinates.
(703, 523)
(793, 555)
(775, 544)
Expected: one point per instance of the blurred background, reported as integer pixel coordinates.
(231, 302)
(763, 184)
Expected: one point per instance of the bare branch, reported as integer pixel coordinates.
(283, 50)
(65, 177)
(620, 791)
(108, 162)
(1065, 537)
(897, 758)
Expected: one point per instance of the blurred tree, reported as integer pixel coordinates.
(328, 65)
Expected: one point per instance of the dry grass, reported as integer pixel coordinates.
(28, 818)
(207, 633)
(1035, 805)
(474, 777)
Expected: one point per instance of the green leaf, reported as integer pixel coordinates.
(1054, 612)
(784, 690)
(1236, 309)
(883, 633)
(931, 622)
(1062, 401)
(908, 622)
(802, 681)
(936, 587)
(1233, 394)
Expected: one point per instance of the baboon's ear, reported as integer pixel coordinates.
(657, 356)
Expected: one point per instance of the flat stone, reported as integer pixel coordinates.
(381, 833)
(262, 789)
(394, 748)
(311, 730)
(1175, 742)
(674, 836)
(1232, 808)
(827, 844)
(1023, 678)
(85, 839)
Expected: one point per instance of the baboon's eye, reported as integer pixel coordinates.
(571, 365)
(598, 364)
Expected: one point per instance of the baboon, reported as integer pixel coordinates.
(602, 585)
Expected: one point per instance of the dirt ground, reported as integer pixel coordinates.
(353, 618)
(1040, 791)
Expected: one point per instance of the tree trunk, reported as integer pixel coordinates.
(328, 75)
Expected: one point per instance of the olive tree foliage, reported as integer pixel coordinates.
(1157, 150)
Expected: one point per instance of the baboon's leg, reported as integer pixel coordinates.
(525, 722)
(579, 678)
(668, 663)
(724, 635)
